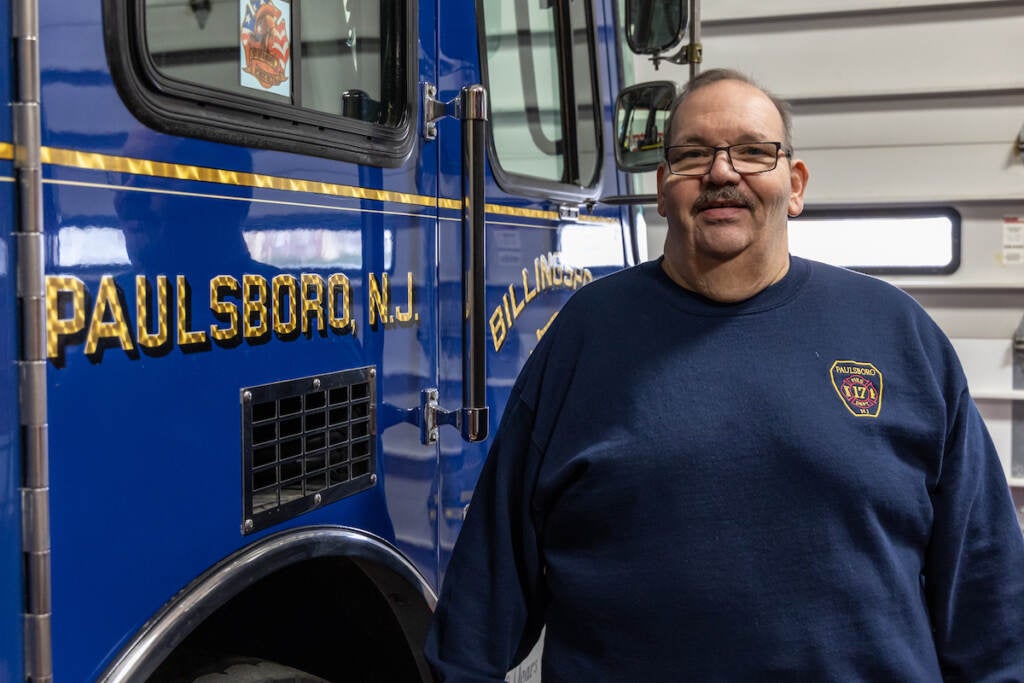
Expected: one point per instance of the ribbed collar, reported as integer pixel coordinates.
(777, 294)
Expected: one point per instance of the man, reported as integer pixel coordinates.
(736, 465)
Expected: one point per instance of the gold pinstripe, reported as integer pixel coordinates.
(521, 213)
(161, 169)
(502, 210)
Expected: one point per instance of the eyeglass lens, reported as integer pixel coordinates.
(747, 157)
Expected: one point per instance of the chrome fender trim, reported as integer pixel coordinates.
(189, 608)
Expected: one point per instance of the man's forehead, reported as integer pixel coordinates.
(728, 107)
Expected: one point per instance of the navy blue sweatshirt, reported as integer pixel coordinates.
(794, 487)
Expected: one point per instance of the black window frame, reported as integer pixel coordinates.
(192, 110)
(527, 185)
(928, 211)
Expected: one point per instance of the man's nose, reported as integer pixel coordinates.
(721, 171)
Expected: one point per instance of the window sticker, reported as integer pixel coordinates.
(265, 44)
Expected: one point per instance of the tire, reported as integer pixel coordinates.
(250, 670)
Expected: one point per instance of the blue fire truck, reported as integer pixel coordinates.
(268, 270)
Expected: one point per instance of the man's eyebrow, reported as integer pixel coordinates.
(738, 140)
(691, 140)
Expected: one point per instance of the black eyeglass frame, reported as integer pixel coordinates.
(779, 151)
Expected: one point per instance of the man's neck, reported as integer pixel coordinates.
(727, 281)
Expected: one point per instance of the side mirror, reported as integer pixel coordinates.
(653, 26)
(640, 114)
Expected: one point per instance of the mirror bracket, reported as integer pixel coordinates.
(688, 54)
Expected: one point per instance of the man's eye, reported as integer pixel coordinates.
(689, 154)
(752, 151)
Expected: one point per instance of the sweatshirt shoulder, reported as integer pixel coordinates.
(583, 317)
(875, 304)
(609, 292)
(842, 284)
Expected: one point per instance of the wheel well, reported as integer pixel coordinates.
(339, 618)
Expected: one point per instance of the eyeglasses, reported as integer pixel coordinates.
(745, 158)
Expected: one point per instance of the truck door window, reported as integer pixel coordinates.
(318, 54)
(544, 96)
(323, 77)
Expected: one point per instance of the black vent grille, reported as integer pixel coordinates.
(306, 443)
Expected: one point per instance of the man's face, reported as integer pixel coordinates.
(718, 216)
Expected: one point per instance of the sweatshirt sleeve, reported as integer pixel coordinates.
(490, 610)
(974, 567)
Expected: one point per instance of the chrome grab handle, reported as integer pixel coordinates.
(472, 418)
(474, 411)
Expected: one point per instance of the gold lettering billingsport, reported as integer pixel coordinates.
(548, 273)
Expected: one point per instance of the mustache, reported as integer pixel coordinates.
(717, 195)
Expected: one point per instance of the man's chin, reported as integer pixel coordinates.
(723, 244)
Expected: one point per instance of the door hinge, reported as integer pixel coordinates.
(471, 422)
(434, 110)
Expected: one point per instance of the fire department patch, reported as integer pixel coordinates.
(859, 386)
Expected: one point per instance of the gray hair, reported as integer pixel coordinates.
(711, 76)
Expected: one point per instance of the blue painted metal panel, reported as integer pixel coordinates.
(145, 448)
(145, 445)
(145, 454)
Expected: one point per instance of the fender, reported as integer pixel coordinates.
(381, 562)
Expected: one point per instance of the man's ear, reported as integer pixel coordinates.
(798, 175)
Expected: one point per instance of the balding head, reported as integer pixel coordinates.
(716, 75)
